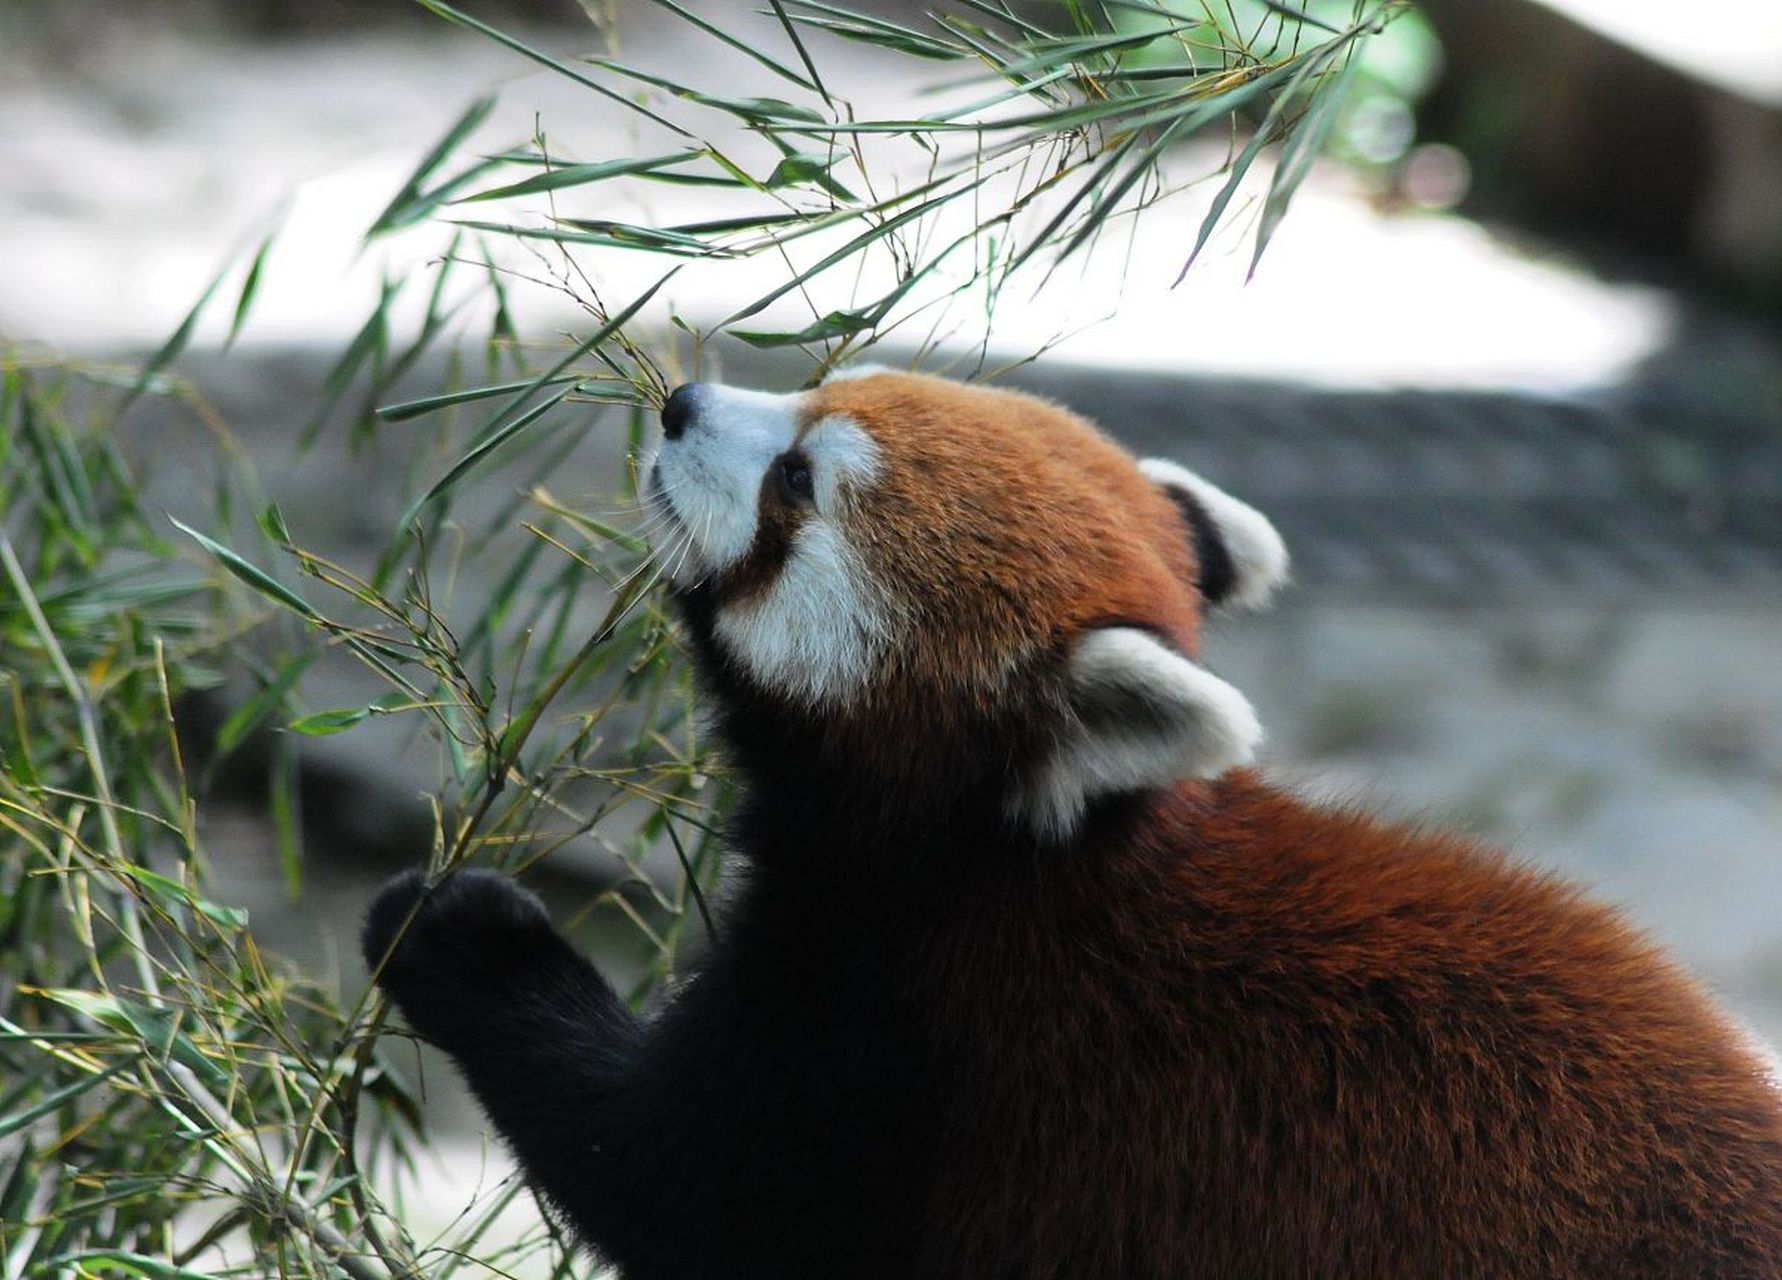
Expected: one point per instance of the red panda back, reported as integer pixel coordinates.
(1150, 1017)
(1258, 1038)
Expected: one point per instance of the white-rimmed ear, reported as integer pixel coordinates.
(1142, 715)
(1242, 559)
(848, 372)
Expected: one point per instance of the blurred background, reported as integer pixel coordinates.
(1509, 379)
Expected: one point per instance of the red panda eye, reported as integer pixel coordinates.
(795, 478)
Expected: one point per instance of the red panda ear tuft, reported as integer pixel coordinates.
(849, 372)
(1141, 715)
(1241, 557)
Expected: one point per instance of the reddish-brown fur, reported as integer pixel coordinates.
(1355, 1049)
(1351, 1050)
(1003, 475)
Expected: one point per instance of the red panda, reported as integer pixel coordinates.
(1028, 974)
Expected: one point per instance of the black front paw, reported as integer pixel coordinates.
(444, 951)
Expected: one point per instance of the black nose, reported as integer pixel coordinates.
(678, 412)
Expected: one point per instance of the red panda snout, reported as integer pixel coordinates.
(753, 489)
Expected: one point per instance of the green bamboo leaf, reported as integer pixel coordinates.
(1301, 16)
(272, 523)
(427, 404)
(875, 31)
(249, 288)
(252, 574)
(368, 347)
(408, 206)
(16, 1193)
(1075, 51)
(1266, 132)
(175, 344)
(808, 167)
(589, 525)
(754, 111)
(1163, 71)
(1020, 89)
(450, 14)
(321, 724)
(135, 1264)
(51, 1101)
(804, 54)
(836, 324)
(743, 46)
(1216, 210)
(1299, 153)
(612, 235)
(284, 801)
(173, 893)
(1184, 125)
(848, 250)
(723, 226)
(157, 1029)
(579, 175)
(251, 714)
(1002, 13)
(499, 433)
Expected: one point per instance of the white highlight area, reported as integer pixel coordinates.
(104, 250)
(1734, 44)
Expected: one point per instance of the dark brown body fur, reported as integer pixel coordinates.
(1266, 1040)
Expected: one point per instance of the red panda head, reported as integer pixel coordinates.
(957, 586)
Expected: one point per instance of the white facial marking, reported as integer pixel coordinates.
(1258, 556)
(816, 632)
(711, 475)
(839, 450)
(1144, 716)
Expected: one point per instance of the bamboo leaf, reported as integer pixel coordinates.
(875, 31)
(252, 574)
(580, 175)
(1299, 153)
(614, 235)
(807, 167)
(755, 111)
(408, 206)
(848, 250)
(321, 724)
(744, 47)
(135, 1264)
(174, 893)
(1266, 132)
(499, 435)
(249, 288)
(520, 47)
(175, 345)
(427, 404)
(157, 1029)
(68, 1093)
(836, 324)
(253, 713)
